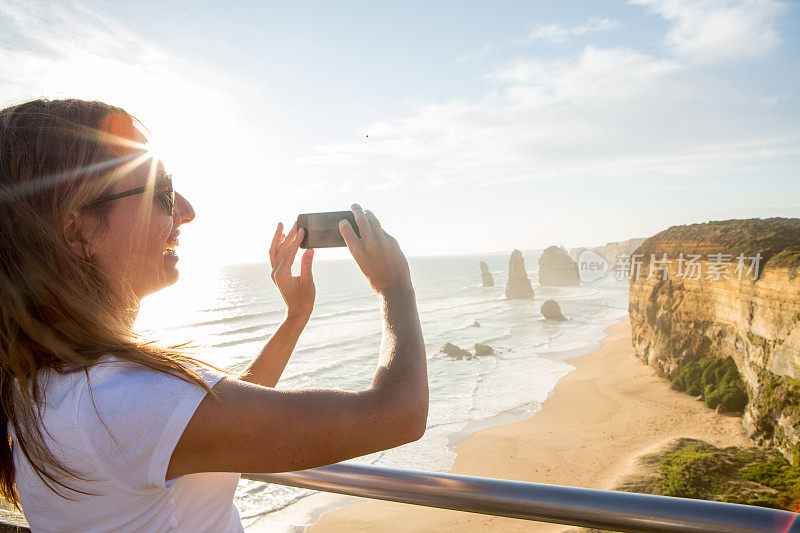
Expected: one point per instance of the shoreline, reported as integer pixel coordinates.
(308, 510)
(599, 419)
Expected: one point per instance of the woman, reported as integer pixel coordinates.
(109, 432)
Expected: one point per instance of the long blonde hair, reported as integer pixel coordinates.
(58, 311)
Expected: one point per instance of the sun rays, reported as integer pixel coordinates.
(115, 135)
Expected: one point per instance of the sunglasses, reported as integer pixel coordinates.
(163, 194)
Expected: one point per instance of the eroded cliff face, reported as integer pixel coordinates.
(612, 250)
(750, 315)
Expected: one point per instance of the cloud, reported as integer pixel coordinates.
(606, 112)
(556, 33)
(719, 30)
(44, 44)
(69, 50)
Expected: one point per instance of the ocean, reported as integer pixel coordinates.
(228, 314)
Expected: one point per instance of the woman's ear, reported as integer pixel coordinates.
(75, 234)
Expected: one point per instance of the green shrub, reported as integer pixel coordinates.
(716, 379)
(691, 468)
(732, 398)
(688, 379)
(691, 472)
(776, 473)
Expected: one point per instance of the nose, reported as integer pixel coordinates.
(184, 212)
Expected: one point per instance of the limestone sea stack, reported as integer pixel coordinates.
(518, 286)
(739, 298)
(557, 269)
(486, 276)
(552, 311)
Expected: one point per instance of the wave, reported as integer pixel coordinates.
(464, 304)
(237, 342)
(336, 344)
(301, 350)
(348, 312)
(473, 396)
(569, 293)
(223, 320)
(335, 365)
(258, 327)
(276, 506)
(497, 338)
(350, 299)
(237, 305)
(451, 293)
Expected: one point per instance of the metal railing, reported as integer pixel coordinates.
(604, 509)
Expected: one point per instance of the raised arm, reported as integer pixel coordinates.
(251, 428)
(298, 293)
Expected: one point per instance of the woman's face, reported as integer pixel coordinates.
(133, 246)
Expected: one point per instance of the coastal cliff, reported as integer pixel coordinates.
(727, 289)
(612, 250)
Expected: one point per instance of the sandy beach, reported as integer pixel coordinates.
(601, 417)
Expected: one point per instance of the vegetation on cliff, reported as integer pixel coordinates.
(779, 398)
(690, 468)
(776, 239)
(788, 258)
(781, 394)
(717, 380)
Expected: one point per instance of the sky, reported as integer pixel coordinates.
(465, 126)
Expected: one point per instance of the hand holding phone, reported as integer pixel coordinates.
(377, 253)
(298, 292)
(322, 229)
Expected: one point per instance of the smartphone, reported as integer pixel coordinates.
(322, 229)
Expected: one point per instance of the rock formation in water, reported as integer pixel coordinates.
(739, 298)
(552, 311)
(483, 349)
(454, 351)
(557, 269)
(486, 276)
(518, 286)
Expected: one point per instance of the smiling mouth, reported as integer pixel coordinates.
(169, 250)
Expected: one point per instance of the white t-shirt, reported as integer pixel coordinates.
(146, 412)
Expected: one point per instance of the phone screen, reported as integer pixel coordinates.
(322, 229)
